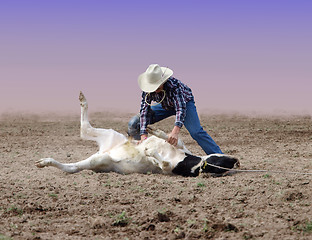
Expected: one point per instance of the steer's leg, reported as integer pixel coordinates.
(106, 138)
(161, 134)
(86, 130)
(97, 162)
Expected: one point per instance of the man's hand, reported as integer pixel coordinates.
(173, 136)
(143, 137)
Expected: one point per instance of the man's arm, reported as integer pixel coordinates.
(174, 136)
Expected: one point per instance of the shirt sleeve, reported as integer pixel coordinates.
(143, 114)
(180, 106)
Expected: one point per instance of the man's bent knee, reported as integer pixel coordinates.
(134, 127)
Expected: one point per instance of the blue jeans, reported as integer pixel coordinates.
(191, 123)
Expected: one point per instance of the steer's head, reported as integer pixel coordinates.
(218, 163)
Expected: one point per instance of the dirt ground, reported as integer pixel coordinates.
(50, 204)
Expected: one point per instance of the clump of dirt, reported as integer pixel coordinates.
(293, 195)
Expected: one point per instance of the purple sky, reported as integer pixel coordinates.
(236, 56)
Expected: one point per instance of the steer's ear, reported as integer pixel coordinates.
(218, 163)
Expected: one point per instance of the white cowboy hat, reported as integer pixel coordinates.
(153, 77)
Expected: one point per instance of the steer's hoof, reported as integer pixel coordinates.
(83, 100)
(40, 163)
(43, 162)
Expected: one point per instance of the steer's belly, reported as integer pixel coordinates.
(127, 159)
(130, 166)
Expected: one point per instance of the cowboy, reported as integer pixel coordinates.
(164, 96)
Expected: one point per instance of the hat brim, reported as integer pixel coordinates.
(149, 87)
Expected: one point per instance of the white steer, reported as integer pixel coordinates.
(119, 154)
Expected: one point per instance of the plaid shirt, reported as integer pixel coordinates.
(177, 95)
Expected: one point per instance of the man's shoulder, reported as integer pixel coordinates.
(172, 81)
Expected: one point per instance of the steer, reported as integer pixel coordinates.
(119, 154)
